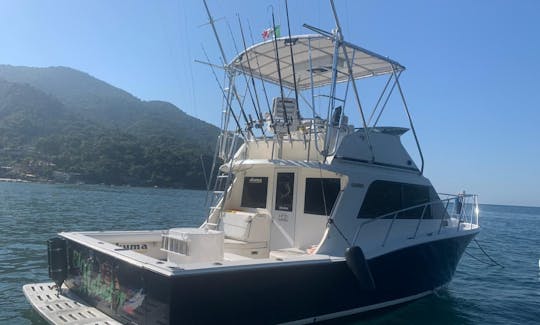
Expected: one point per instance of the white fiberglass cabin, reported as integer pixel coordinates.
(312, 216)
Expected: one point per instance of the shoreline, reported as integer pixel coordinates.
(46, 181)
(14, 180)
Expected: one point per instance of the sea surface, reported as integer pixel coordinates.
(478, 294)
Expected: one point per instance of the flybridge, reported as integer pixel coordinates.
(298, 93)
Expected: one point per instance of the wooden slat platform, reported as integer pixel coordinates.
(64, 308)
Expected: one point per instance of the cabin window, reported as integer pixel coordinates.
(381, 198)
(412, 195)
(321, 194)
(438, 210)
(284, 191)
(385, 197)
(254, 192)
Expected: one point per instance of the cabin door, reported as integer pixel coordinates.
(283, 210)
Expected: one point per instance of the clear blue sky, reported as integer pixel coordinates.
(472, 79)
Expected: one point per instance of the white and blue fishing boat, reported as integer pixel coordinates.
(311, 216)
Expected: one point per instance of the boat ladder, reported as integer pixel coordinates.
(221, 185)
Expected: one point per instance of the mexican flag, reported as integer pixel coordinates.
(269, 32)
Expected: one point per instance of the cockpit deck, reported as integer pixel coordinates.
(143, 249)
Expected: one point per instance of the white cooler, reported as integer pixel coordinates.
(191, 245)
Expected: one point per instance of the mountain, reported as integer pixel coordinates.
(58, 122)
(25, 112)
(97, 101)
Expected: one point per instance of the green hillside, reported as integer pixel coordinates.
(62, 124)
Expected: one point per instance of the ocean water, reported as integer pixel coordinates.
(478, 294)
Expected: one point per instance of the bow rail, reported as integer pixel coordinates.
(454, 210)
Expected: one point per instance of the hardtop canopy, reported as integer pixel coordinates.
(260, 61)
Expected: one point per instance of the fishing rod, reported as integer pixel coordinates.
(235, 92)
(262, 80)
(255, 105)
(279, 77)
(292, 54)
(241, 104)
(292, 63)
(259, 114)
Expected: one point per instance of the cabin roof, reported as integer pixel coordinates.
(260, 61)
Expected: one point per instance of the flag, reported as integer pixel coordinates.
(267, 33)
(277, 31)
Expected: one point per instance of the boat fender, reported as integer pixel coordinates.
(57, 256)
(356, 261)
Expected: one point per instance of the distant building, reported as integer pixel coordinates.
(64, 177)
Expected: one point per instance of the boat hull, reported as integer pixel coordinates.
(275, 293)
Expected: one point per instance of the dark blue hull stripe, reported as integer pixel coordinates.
(274, 294)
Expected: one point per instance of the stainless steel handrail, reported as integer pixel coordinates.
(466, 200)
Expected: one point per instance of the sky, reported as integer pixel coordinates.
(472, 79)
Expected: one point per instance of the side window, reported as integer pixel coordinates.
(284, 191)
(384, 197)
(321, 195)
(381, 198)
(254, 192)
(438, 210)
(413, 195)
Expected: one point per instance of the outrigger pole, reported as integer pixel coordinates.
(211, 22)
(232, 87)
(225, 96)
